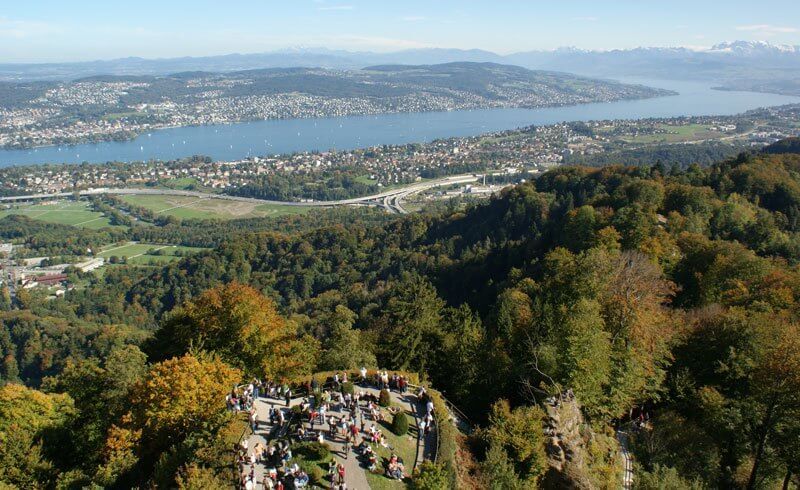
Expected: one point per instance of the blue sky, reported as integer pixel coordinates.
(32, 30)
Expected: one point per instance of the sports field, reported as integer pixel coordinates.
(62, 212)
(185, 207)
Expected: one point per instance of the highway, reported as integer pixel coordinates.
(391, 200)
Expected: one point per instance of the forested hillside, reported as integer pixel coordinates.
(665, 301)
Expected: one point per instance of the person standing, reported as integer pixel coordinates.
(288, 396)
(340, 470)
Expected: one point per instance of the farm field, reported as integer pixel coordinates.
(186, 207)
(62, 212)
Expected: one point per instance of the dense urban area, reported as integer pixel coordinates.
(119, 108)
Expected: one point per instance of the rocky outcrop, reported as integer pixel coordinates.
(578, 457)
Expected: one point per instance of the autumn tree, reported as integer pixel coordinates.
(243, 327)
(180, 395)
(28, 419)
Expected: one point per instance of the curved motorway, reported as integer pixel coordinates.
(391, 200)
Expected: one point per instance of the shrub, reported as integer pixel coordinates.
(400, 424)
(385, 400)
(316, 475)
(431, 476)
(313, 451)
(348, 388)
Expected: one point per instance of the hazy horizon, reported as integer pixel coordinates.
(54, 32)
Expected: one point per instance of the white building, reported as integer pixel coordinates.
(90, 265)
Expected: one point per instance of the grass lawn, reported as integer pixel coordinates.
(182, 183)
(119, 115)
(364, 179)
(404, 447)
(186, 207)
(61, 212)
(137, 253)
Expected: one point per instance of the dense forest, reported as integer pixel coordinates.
(666, 299)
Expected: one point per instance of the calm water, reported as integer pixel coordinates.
(234, 141)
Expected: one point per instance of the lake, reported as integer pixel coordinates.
(236, 141)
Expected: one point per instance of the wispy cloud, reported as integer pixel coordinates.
(22, 29)
(335, 7)
(767, 29)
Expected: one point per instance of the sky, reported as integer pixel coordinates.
(52, 31)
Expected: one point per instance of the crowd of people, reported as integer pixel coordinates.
(351, 418)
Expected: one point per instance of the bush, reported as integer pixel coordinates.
(348, 388)
(400, 424)
(316, 475)
(385, 400)
(431, 476)
(313, 451)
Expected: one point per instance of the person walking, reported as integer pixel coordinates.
(288, 396)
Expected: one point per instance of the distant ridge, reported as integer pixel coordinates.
(742, 62)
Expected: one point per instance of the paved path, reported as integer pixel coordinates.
(627, 476)
(355, 470)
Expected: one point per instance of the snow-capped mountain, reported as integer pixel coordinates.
(754, 48)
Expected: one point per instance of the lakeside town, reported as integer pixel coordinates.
(106, 109)
(527, 148)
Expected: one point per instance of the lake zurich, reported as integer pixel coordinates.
(236, 141)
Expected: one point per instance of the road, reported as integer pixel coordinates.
(391, 200)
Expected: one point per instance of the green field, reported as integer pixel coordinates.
(677, 134)
(183, 183)
(119, 115)
(61, 212)
(140, 253)
(364, 179)
(186, 207)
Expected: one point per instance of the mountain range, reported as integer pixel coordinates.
(731, 64)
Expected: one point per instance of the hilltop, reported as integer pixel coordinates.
(660, 303)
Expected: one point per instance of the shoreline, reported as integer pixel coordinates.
(138, 134)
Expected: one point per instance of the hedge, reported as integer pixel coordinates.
(448, 436)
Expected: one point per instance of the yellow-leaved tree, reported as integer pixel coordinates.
(243, 327)
(176, 398)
